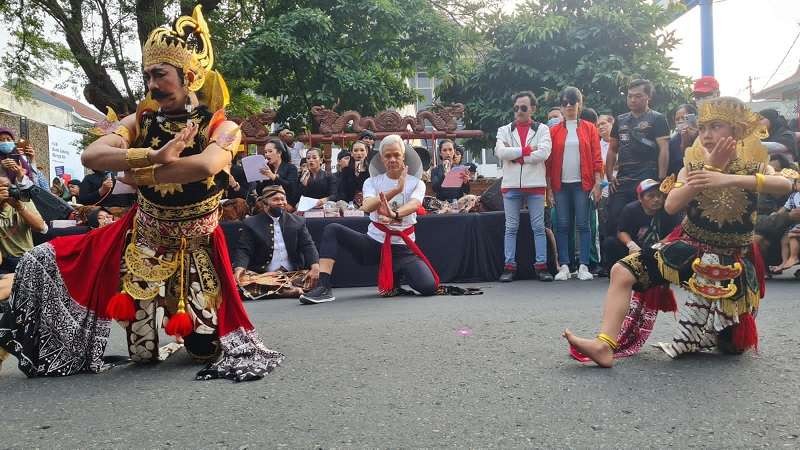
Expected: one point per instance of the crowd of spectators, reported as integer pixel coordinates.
(589, 182)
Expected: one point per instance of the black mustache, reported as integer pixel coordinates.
(158, 95)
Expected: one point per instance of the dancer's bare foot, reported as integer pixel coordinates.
(597, 350)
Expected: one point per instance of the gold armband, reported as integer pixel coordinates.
(712, 168)
(145, 176)
(138, 158)
(123, 132)
(670, 183)
(760, 179)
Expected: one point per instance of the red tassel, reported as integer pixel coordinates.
(745, 335)
(180, 324)
(421, 211)
(660, 298)
(121, 307)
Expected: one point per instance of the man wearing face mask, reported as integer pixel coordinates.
(273, 243)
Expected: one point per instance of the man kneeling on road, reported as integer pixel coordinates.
(392, 196)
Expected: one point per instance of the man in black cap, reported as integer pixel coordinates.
(275, 256)
(368, 138)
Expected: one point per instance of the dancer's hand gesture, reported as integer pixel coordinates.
(171, 151)
(385, 209)
(722, 153)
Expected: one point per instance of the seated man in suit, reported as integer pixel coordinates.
(275, 256)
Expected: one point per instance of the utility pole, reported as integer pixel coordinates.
(707, 36)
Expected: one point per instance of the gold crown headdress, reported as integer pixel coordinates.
(748, 129)
(187, 46)
(734, 112)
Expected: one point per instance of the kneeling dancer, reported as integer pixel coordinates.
(392, 196)
(711, 254)
(166, 262)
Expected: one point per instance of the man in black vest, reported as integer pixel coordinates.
(275, 256)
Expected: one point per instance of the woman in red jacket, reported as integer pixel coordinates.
(574, 171)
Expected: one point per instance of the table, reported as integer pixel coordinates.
(462, 247)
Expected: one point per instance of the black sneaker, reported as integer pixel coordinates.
(507, 276)
(544, 275)
(319, 294)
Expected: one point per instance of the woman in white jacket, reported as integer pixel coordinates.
(524, 146)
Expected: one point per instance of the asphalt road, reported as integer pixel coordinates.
(481, 371)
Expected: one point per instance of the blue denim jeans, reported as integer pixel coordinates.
(512, 204)
(572, 204)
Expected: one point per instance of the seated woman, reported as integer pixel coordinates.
(351, 181)
(99, 217)
(447, 152)
(280, 171)
(711, 253)
(458, 160)
(315, 182)
(779, 131)
(59, 189)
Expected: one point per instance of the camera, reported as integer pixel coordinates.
(22, 195)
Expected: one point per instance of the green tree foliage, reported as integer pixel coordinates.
(351, 54)
(595, 45)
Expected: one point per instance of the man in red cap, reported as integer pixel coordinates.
(705, 87)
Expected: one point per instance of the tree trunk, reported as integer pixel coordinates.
(149, 15)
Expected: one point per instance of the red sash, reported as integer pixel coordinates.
(385, 269)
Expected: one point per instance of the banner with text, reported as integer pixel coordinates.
(65, 157)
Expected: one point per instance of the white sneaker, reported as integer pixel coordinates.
(584, 274)
(563, 273)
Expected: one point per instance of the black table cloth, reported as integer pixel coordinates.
(462, 247)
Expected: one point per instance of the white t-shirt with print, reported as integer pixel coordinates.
(413, 189)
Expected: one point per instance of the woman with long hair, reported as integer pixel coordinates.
(280, 171)
(575, 171)
(315, 182)
(354, 174)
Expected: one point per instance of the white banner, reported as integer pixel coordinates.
(64, 155)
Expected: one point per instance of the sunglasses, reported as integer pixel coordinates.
(523, 108)
(565, 103)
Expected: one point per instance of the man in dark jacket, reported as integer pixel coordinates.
(275, 256)
(96, 190)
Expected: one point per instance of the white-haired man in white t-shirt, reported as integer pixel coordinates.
(392, 195)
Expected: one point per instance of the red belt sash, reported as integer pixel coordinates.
(385, 269)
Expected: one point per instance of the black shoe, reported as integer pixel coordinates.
(544, 275)
(319, 294)
(507, 276)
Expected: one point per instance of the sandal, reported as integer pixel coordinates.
(775, 270)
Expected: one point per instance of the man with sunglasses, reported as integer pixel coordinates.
(524, 146)
(638, 149)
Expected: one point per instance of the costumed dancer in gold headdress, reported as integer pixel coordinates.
(711, 254)
(166, 262)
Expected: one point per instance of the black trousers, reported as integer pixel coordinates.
(625, 193)
(613, 251)
(367, 252)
